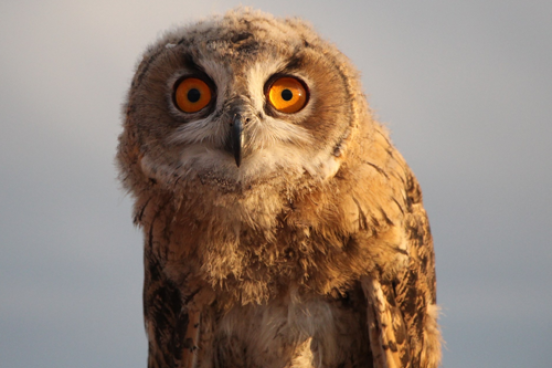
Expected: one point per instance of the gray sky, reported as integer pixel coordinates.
(465, 87)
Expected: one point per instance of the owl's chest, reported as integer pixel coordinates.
(253, 269)
(293, 332)
(253, 261)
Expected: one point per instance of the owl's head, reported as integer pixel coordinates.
(237, 99)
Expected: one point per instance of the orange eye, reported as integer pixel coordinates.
(287, 95)
(192, 95)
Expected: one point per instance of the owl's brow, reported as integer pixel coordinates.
(293, 63)
(191, 64)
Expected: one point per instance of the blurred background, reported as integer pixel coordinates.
(465, 87)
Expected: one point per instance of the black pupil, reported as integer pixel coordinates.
(194, 95)
(287, 94)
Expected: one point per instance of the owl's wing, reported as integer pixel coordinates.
(172, 329)
(402, 313)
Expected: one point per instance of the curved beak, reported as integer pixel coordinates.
(236, 138)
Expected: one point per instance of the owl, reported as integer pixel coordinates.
(282, 229)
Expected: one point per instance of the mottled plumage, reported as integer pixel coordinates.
(273, 239)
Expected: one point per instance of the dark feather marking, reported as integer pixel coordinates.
(162, 308)
(140, 213)
(385, 217)
(378, 169)
(398, 205)
(363, 224)
(295, 62)
(240, 37)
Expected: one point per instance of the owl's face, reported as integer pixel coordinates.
(242, 99)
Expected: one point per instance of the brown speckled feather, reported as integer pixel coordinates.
(402, 311)
(315, 251)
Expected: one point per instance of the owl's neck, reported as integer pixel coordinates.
(249, 245)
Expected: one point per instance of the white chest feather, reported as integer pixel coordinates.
(291, 333)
